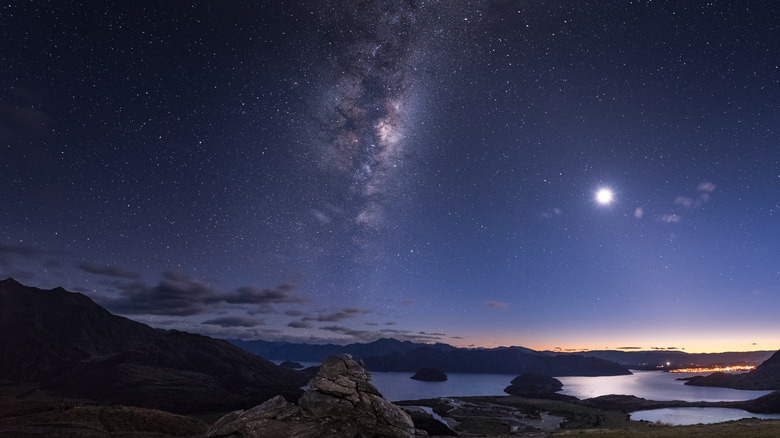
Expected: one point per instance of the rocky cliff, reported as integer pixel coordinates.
(340, 402)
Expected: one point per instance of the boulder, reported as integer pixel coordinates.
(430, 375)
(340, 402)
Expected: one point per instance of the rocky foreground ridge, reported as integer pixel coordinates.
(340, 402)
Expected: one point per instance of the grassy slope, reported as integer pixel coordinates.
(593, 422)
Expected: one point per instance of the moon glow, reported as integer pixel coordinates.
(605, 196)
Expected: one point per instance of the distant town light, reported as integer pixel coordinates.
(714, 369)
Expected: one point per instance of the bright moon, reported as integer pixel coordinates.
(604, 196)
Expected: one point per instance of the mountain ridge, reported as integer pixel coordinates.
(387, 348)
(66, 342)
(404, 356)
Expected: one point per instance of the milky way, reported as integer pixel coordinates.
(372, 106)
(366, 113)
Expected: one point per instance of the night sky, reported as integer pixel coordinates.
(426, 170)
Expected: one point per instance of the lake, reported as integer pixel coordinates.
(652, 385)
(688, 416)
(399, 386)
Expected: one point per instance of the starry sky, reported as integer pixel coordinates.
(553, 174)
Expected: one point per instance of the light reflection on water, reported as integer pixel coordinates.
(688, 416)
(651, 385)
(399, 386)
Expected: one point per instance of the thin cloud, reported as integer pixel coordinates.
(395, 332)
(629, 348)
(9, 271)
(684, 201)
(337, 316)
(368, 336)
(234, 321)
(360, 334)
(299, 324)
(23, 250)
(703, 190)
(263, 298)
(431, 334)
(109, 270)
(499, 305)
(321, 217)
(179, 295)
(176, 295)
(706, 186)
(671, 218)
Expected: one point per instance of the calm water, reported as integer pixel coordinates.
(652, 385)
(399, 386)
(688, 416)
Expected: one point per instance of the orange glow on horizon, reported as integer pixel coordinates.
(693, 348)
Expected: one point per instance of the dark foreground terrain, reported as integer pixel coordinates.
(28, 412)
(511, 416)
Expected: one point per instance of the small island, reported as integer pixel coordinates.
(430, 375)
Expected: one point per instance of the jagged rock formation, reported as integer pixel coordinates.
(430, 375)
(340, 402)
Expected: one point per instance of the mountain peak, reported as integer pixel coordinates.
(9, 282)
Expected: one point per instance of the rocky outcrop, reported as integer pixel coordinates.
(340, 402)
(430, 375)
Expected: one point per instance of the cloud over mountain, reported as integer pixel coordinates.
(179, 295)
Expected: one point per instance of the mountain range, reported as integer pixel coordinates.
(67, 343)
(671, 359)
(393, 355)
(405, 356)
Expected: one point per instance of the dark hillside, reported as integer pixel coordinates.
(67, 342)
